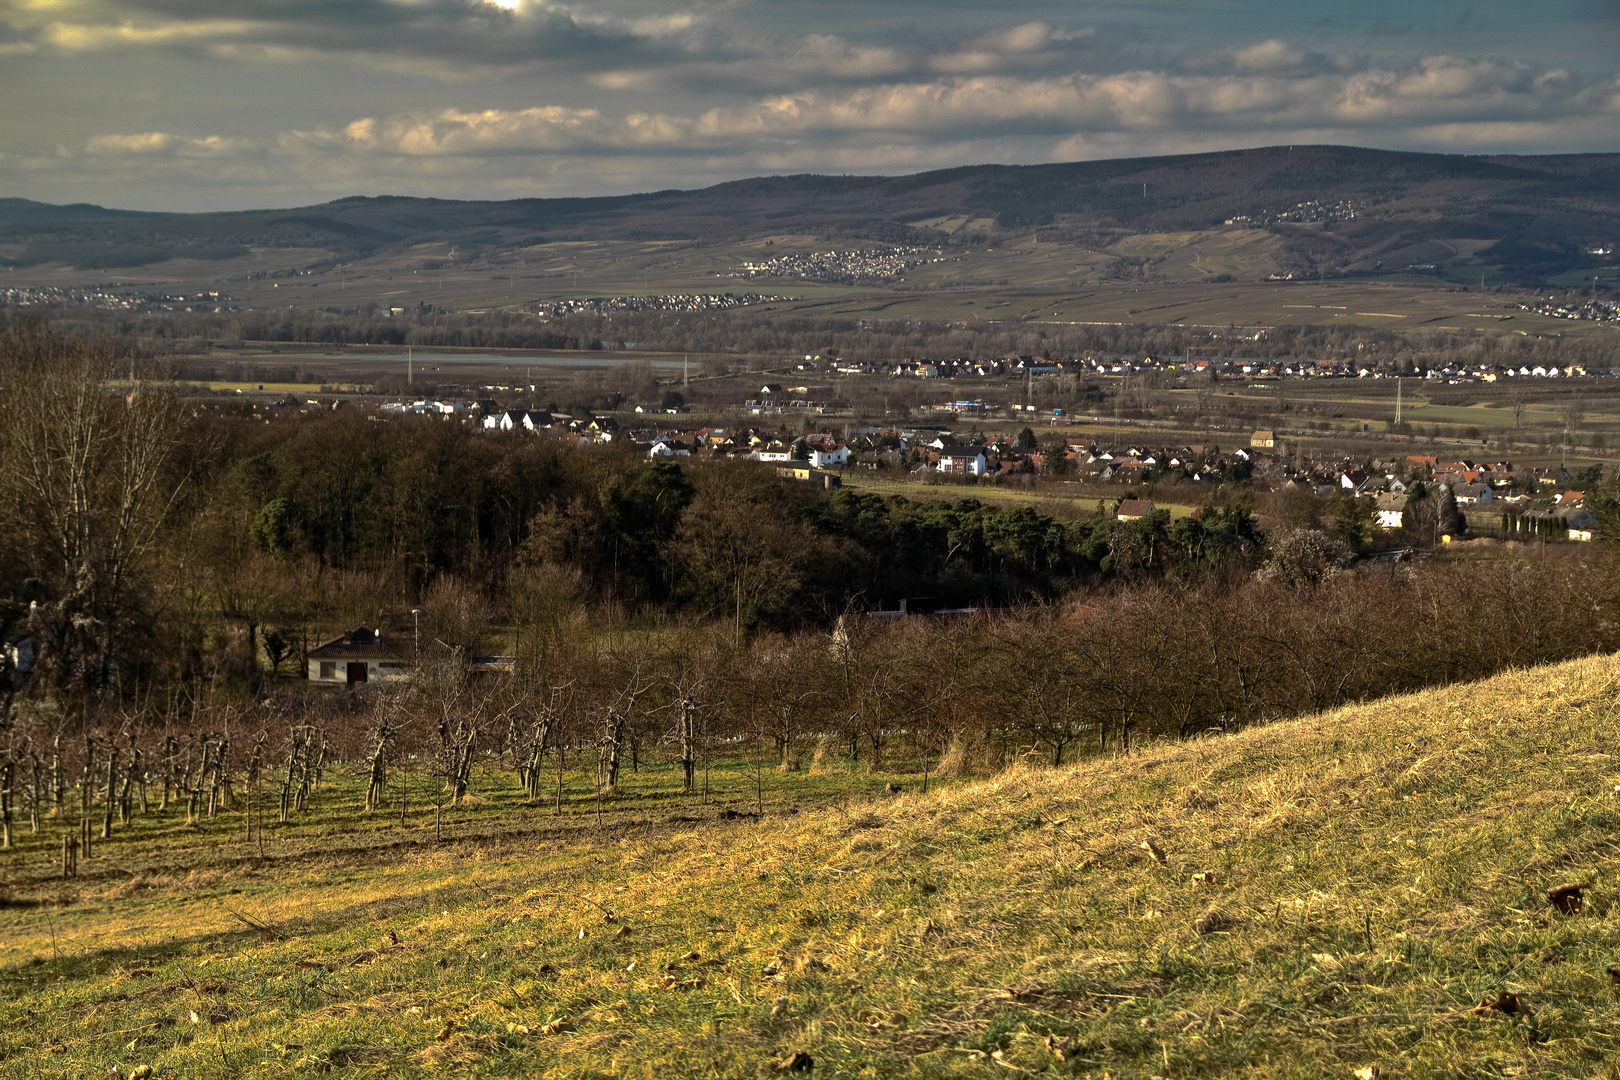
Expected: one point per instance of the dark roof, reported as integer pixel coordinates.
(362, 643)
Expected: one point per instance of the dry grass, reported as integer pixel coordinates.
(1363, 888)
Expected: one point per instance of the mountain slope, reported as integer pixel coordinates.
(1533, 215)
(1361, 889)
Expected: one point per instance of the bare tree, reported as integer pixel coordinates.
(87, 439)
(1518, 401)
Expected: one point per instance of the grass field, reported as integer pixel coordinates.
(1044, 496)
(1361, 890)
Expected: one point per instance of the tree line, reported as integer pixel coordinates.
(760, 338)
(589, 704)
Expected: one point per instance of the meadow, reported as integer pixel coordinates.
(1420, 886)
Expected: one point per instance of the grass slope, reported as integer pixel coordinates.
(1375, 874)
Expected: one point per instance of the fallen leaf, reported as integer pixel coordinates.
(558, 1026)
(1207, 877)
(1369, 1072)
(798, 1061)
(1156, 851)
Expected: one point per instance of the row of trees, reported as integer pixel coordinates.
(768, 337)
(587, 705)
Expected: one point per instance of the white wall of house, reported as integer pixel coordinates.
(337, 671)
(972, 466)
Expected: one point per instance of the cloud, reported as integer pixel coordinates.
(161, 143)
(1271, 55)
(452, 133)
(1026, 43)
(1442, 94)
(478, 31)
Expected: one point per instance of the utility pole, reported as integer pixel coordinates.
(410, 375)
(686, 370)
(1398, 383)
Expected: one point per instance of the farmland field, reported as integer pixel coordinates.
(1017, 280)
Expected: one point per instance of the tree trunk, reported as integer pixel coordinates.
(607, 768)
(379, 770)
(688, 743)
(33, 807)
(112, 794)
(8, 776)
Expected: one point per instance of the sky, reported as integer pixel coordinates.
(236, 104)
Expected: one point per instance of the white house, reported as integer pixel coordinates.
(361, 656)
(964, 460)
(522, 420)
(1391, 510)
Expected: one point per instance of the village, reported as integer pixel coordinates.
(1500, 499)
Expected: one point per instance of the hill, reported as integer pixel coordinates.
(1361, 890)
(1339, 210)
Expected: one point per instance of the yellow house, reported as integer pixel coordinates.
(1263, 440)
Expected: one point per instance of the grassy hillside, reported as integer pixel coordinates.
(1365, 889)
